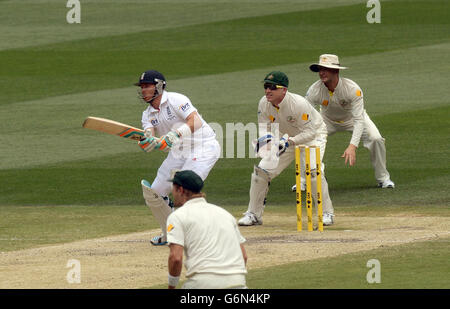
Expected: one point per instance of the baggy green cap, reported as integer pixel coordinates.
(189, 180)
(277, 78)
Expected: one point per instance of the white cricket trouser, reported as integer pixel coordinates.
(201, 161)
(371, 139)
(215, 281)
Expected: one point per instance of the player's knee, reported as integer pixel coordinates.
(162, 188)
(378, 139)
(262, 173)
(373, 140)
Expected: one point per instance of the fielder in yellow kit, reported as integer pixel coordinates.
(290, 119)
(207, 236)
(342, 109)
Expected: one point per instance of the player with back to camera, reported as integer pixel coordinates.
(207, 235)
(172, 124)
(342, 108)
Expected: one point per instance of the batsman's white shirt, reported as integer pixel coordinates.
(210, 237)
(172, 114)
(342, 108)
(198, 152)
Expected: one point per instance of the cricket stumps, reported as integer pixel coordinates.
(309, 198)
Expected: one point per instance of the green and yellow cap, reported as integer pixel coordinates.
(277, 78)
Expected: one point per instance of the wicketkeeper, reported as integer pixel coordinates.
(289, 120)
(172, 124)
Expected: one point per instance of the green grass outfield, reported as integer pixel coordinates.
(421, 265)
(59, 182)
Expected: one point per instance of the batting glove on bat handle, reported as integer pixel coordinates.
(148, 144)
(148, 133)
(166, 142)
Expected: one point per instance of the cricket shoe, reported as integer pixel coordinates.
(386, 184)
(302, 187)
(327, 219)
(158, 241)
(249, 219)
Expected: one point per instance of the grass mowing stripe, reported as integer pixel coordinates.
(52, 126)
(421, 265)
(46, 20)
(402, 267)
(235, 45)
(421, 173)
(24, 227)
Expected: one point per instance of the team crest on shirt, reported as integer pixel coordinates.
(290, 119)
(170, 115)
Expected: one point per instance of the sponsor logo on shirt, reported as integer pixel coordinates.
(185, 107)
(154, 122)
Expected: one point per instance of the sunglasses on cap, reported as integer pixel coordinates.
(272, 86)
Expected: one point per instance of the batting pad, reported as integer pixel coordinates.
(158, 206)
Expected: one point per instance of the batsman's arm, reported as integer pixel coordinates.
(194, 122)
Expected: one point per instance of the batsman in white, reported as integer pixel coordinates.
(189, 140)
(342, 108)
(292, 120)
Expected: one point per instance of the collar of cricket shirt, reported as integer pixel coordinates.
(163, 101)
(195, 200)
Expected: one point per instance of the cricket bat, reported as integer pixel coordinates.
(113, 127)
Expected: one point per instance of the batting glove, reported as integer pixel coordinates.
(148, 133)
(284, 144)
(166, 142)
(148, 144)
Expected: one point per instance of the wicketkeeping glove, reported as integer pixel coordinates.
(148, 144)
(166, 142)
(284, 144)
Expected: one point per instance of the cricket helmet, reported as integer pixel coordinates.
(152, 77)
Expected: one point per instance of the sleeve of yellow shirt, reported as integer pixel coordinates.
(358, 118)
